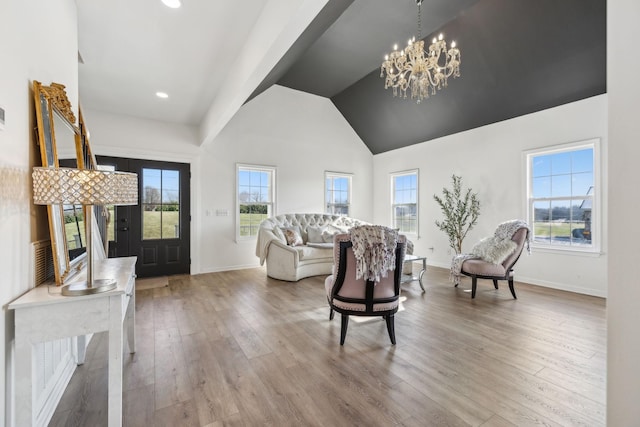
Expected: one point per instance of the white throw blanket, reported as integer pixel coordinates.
(507, 229)
(504, 231)
(374, 247)
(456, 266)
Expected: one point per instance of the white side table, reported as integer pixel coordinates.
(43, 314)
(410, 278)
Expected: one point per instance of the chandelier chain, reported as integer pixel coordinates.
(419, 21)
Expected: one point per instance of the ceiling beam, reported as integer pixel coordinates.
(278, 27)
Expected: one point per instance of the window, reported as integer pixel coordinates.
(337, 193)
(404, 201)
(255, 198)
(562, 195)
(160, 204)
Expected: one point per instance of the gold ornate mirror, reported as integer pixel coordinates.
(57, 133)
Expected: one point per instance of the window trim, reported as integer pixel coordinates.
(393, 175)
(596, 212)
(349, 176)
(261, 168)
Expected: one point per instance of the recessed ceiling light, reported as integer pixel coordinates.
(173, 4)
(162, 95)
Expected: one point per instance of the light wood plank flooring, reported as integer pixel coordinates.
(238, 349)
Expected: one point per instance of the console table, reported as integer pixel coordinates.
(43, 314)
(411, 259)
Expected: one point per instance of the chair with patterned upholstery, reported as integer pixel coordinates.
(359, 297)
(481, 269)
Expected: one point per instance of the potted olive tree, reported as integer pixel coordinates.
(460, 209)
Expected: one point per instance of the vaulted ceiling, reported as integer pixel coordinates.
(518, 57)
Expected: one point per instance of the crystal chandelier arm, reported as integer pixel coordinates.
(454, 62)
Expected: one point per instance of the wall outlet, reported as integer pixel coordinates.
(1, 117)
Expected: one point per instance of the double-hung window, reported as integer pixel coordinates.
(563, 192)
(255, 198)
(404, 201)
(337, 193)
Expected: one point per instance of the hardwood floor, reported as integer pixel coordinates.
(238, 349)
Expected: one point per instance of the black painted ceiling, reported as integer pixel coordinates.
(518, 57)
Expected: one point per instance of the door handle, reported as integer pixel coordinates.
(124, 229)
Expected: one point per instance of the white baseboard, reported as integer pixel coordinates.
(204, 270)
(446, 266)
(562, 286)
(545, 283)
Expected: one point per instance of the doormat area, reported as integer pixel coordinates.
(152, 283)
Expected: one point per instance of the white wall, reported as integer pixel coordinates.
(302, 135)
(39, 43)
(623, 318)
(490, 161)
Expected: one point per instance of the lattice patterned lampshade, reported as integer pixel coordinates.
(84, 187)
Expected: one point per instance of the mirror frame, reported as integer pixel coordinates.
(50, 100)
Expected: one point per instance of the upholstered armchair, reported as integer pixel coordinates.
(477, 268)
(358, 297)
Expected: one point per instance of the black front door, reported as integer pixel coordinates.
(157, 230)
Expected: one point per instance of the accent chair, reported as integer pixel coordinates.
(358, 297)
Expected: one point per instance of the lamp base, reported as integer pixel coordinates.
(84, 288)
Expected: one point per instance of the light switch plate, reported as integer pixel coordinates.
(1, 117)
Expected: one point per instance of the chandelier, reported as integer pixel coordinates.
(416, 69)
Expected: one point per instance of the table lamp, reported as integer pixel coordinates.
(52, 186)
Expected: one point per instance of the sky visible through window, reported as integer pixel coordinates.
(253, 186)
(167, 182)
(405, 189)
(563, 174)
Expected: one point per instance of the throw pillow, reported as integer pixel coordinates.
(293, 236)
(494, 250)
(315, 234)
(330, 231)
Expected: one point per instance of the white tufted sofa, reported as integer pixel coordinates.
(293, 263)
